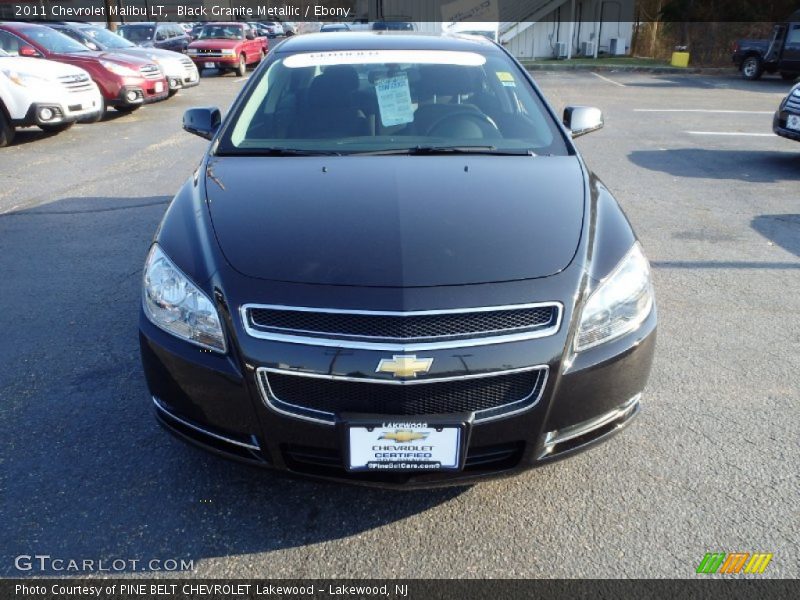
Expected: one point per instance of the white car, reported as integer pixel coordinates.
(51, 95)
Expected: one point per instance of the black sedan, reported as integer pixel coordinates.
(787, 118)
(445, 292)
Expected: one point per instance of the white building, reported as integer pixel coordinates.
(527, 28)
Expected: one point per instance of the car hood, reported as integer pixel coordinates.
(397, 221)
(150, 54)
(49, 69)
(214, 44)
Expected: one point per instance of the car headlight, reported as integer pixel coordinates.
(23, 79)
(120, 70)
(173, 303)
(191, 51)
(228, 52)
(620, 304)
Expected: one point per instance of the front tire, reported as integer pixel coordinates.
(241, 70)
(56, 128)
(752, 68)
(127, 108)
(6, 129)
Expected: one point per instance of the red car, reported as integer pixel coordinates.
(126, 82)
(227, 46)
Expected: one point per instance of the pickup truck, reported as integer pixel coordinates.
(227, 46)
(779, 54)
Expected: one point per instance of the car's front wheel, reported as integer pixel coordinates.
(56, 127)
(6, 129)
(752, 68)
(127, 108)
(241, 70)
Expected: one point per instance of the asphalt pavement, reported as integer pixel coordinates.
(711, 465)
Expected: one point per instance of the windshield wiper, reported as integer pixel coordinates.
(433, 150)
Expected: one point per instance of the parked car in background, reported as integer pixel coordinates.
(787, 118)
(227, 46)
(289, 28)
(167, 36)
(334, 27)
(44, 93)
(179, 69)
(273, 27)
(779, 54)
(393, 26)
(126, 82)
(260, 29)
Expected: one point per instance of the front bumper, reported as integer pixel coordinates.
(218, 62)
(214, 401)
(779, 125)
(182, 77)
(79, 108)
(144, 93)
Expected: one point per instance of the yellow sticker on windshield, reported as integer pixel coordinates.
(506, 78)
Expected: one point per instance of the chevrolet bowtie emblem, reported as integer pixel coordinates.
(403, 436)
(404, 365)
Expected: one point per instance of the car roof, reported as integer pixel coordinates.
(383, 40)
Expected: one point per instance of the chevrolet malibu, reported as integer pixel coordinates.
(445, 293)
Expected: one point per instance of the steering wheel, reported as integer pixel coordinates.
(464, 124)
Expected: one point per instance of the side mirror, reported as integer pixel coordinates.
(29, 51)
(581, 120)
(202, 121)
(249, 35)
(92, 46)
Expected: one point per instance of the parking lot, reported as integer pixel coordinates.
(711, 465)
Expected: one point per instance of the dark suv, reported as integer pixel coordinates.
(167, 36)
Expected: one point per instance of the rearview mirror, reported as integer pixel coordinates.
(581, 120)
(28, 51)
(202, 121)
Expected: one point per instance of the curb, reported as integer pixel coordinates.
(632, 69)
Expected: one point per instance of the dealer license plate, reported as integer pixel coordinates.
(208, 65)
(404, 447)
(793, 122)
(159, 87)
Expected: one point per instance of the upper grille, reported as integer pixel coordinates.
(76, 83)
(794, 101)
(402, 328)
(322, 399)
(151, 72)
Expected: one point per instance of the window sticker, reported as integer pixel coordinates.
(394, 100)
(506, 78)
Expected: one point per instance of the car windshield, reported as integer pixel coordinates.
(137, 33)
(221, 32)
(392, 101)
(52, 40)
(107, 39)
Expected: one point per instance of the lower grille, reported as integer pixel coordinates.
(322, 398)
